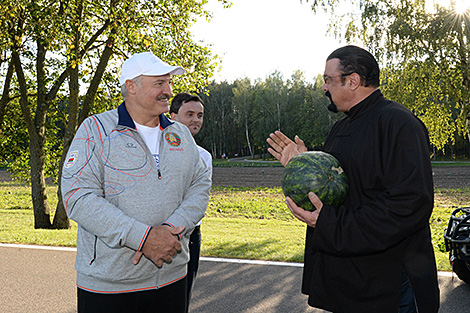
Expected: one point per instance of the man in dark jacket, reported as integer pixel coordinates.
(374, 252)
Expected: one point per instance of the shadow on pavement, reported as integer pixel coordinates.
(42, 280)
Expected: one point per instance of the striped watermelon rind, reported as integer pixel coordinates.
(315, 171)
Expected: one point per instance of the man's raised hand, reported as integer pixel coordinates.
(283, 148)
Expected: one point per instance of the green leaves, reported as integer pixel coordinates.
(68, 56)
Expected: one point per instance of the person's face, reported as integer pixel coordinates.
(153, 95)
(334, 87)
(191, 114)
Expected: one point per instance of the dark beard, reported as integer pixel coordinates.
(332, 106)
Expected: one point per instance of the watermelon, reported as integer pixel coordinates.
(315, 171)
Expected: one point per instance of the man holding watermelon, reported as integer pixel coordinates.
(372, 253)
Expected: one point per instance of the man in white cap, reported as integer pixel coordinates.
(121, 185)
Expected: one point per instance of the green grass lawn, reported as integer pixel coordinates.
(248, 223)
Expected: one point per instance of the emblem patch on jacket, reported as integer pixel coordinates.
(173, 139)
(71, 159)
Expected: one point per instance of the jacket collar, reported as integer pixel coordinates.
(365, 104)
(126, 120)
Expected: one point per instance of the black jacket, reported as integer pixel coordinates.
(355, 256)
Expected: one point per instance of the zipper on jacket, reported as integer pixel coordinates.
(158, 153)
(94, 251)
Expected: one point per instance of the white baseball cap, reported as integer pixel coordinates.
(146, 63)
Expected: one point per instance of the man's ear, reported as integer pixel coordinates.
(172, 115)
(354, 81)
(130, 85)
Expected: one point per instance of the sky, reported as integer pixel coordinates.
(254, 38)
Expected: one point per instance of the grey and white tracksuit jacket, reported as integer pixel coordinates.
(113, 188)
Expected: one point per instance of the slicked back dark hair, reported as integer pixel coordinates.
(353, 59)
(181, 98)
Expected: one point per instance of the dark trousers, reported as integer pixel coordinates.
(407, 296)
(168, 299)
(194, 253)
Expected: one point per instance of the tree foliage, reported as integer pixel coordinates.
(242, 110)
(61, 60)
(421, 86)
(218, 131)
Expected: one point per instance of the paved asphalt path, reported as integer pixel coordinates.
(36, 279)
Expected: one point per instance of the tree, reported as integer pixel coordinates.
(49, 42)
(415, 35)
(268, 108)
(242, 106)
(217, 122)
